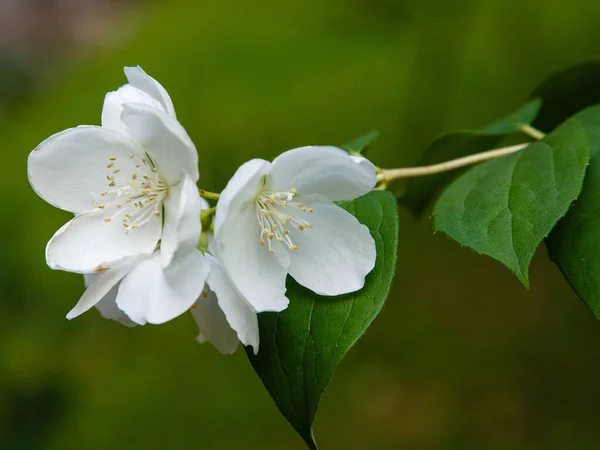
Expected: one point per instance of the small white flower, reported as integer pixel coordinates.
(119, 180)
(278, 218)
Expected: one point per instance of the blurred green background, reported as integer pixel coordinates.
(462, 356)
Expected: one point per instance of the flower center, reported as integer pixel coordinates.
(277, 214)
(134, 195)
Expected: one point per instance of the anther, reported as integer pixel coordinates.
(108, 166)
(299, 204)
(113, 158)
(261, 241)
(111, 184)
(300, 228)
(131, 155)
(110, 177)
(116, 170)
(107, 219)
(293, 248)
(101, 206)
(119, 205)
(134, 176)
(103, 192)
(204, 293)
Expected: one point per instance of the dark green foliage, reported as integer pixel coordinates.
(505, 207)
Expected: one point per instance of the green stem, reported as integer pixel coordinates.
(209, 195)
(385, 176)
(206, 217)
(532, 132)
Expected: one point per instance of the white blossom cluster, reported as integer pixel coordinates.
(137, 236)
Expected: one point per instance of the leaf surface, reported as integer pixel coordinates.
(505, 207)
(574, 245)
(360, 145)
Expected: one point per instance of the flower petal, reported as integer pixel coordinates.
(335, 255)
(113, 106)
(69, 169)
(182, 225)
(152, 294)
(213, 325)
(107, 306)
(109, 310)
(241, 188)
(255, 272)
(88, 243)
(99, 288)
(165, 140)
(238, 311)
(328, 171)
(141, 80)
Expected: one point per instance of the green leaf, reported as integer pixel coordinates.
(567, 92)
(574, 244)
(515, 120)
(360, 145)
(420, 192)
(301, 347)
(505, 207)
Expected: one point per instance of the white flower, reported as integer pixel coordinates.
(118, 180)
(278, 218)
(142, 289)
